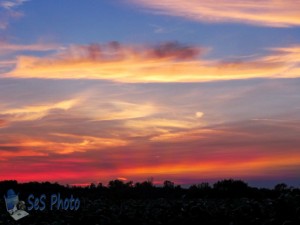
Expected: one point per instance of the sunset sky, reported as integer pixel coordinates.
(188, 91)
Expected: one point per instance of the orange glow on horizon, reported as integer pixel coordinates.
(238, 167)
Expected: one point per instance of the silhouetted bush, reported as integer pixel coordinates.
(231, 188)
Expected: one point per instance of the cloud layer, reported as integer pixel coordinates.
(166, 62)
(83, 131)
(272, 13)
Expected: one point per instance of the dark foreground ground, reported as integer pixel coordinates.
(168, 205)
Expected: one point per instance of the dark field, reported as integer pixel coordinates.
(226, 203)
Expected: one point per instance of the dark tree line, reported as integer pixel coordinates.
(120, 189)
(226, 202)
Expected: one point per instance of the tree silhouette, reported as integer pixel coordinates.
(168, 184)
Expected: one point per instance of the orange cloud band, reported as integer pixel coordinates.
(168, 62)
(272, 13)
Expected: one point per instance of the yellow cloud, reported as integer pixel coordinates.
(274, 13)
(199, 114)
(60, 143)
(37, 111)
(184, 136)
(156, 126)
(160, 122)
(120, 110)
(74, 143)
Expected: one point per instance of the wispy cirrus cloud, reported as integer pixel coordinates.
(8, 11)
(166, 62)
(9, 52)
(36, 112)
(168, 131)
(227, 148)
(271, 13)
(10, 4)
(6, 47)
(58, 143)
